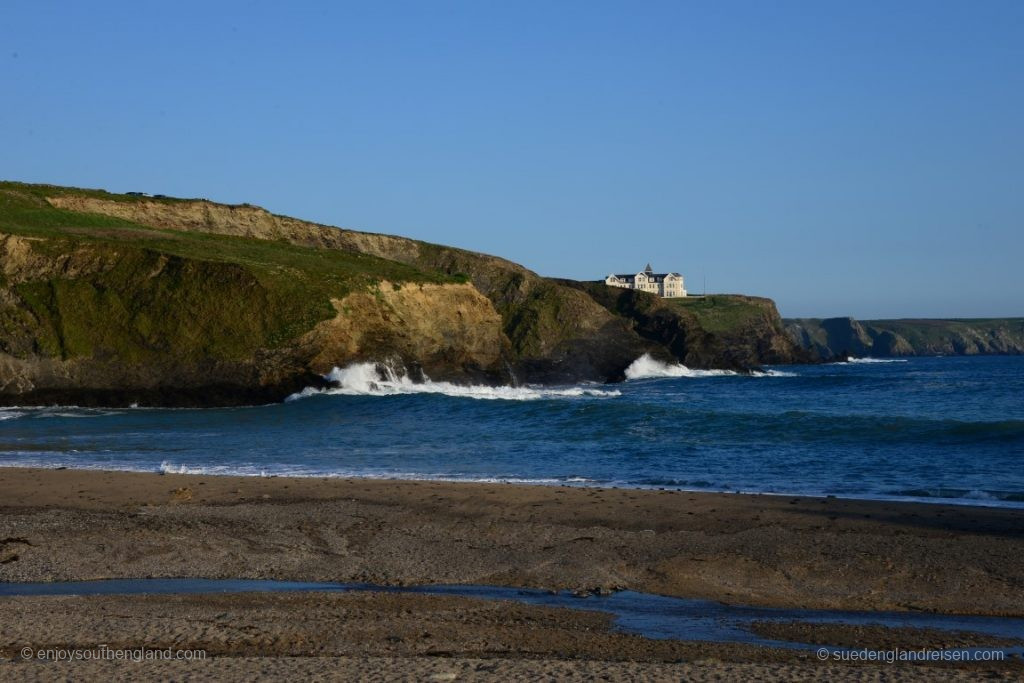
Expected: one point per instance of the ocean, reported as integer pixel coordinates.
(931, 429)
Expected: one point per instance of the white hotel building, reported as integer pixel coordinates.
(666, 285)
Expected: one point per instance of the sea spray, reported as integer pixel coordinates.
(928, 429)
(646, 367)
(389, 379)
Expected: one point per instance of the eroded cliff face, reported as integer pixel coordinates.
(114, 299)
(240, 221)
(107, 324)
(448, 332)
(555, 333)
(720, 331)
(841, 337)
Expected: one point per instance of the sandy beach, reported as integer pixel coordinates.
(738, 549)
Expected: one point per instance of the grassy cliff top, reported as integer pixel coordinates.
(43, 190)
(201, 307)
(25, 211)
(723, 313)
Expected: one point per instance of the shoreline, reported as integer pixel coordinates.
(738, 549)
(183, 470)
(767, 550)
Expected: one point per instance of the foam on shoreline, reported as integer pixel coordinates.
(972, 498)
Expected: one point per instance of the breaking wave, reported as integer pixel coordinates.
(646, 367)
(851, 359)
(55, 411)
(236, 470)
(960, 494)
(381, 379)
(299, 471)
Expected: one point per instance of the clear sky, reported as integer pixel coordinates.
(844, 158)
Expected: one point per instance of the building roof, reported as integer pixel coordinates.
(658, 277)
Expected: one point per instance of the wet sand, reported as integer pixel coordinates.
(328, 636)
(742, 549)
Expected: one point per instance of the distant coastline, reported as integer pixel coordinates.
(830, 338)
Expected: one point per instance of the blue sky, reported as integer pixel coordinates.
(843, 158)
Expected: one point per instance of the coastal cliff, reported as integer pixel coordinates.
(840, 337)
(115, 299)
(728, 331)
(95, 323)
(556, 333)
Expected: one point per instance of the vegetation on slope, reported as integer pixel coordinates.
(112, 299)
(216, 295)
(724, 313)
(721, 330)
(838, 337)
(981, 335)
(556, 333)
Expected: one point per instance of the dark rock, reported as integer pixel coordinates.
(839, 337)
(111, 316)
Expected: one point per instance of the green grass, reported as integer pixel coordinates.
(216, 295)
(41, 191)
(722, 313)
(936, 333)
(27, 213)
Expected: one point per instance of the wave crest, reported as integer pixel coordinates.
(384, 379)
(646, 367)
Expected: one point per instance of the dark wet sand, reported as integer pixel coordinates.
(746, 549)
(393, 637)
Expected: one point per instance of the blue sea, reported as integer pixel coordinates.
(917, 429)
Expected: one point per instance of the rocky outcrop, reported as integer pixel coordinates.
(719, 331)
(448, 332)
(842, 337)
(556, 333)
(98, 324)
(114, 299)
(887, 343)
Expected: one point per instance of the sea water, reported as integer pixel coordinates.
(909, 429)
(645, 614)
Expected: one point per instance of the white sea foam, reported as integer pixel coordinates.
(646, 367)
(851, 359)
(967, 498)
(282, 470)
(54, 411)
(77, 413)
(171, 468)
(382, 379)
(233, 470)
